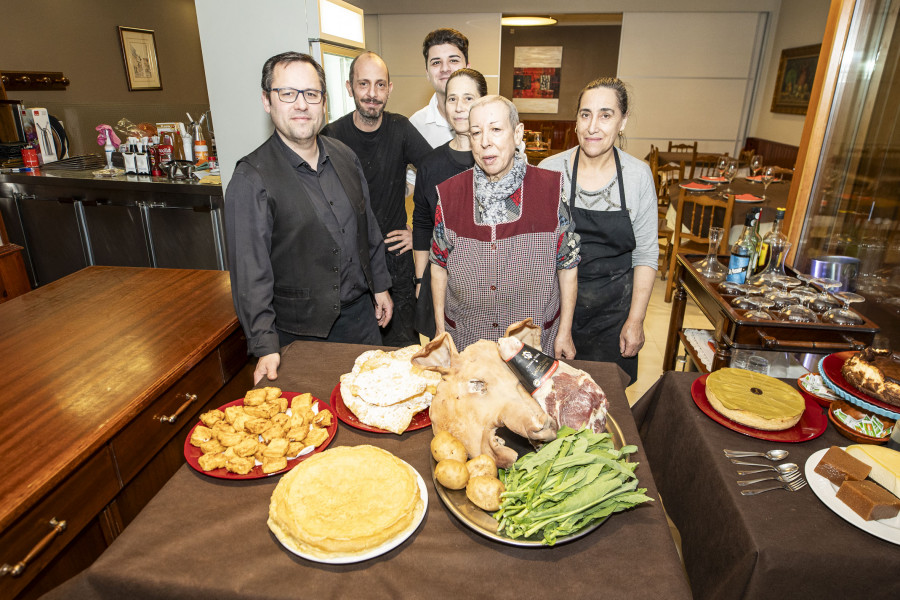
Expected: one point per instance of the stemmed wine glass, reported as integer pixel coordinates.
(843, 315)
(756, 164)
(825, 301)
(730, 172)
(800, 313)
(721, 164)
(730, 288)
(710, 267)
(759, 304)
(767, 179)
(744, 302)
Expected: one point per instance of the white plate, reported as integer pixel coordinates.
(382, 549)
(886, 529)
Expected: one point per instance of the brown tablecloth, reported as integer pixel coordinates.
(207, 538)
(774, 545)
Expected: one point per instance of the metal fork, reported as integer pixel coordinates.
(782, 478)
(792, 486)
(760, 465)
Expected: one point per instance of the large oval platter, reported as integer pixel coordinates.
(482, 523)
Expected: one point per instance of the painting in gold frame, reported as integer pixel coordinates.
(139, 54)
(796, 73)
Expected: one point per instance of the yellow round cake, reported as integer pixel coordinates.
(344, 502)
(754, 400)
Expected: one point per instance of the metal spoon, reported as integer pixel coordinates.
(784, 468)
(771, 454)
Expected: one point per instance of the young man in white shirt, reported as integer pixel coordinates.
(445, 51)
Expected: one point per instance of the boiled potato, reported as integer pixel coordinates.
(452, 474)
(482, 465)
(445, 446)
(484, 492)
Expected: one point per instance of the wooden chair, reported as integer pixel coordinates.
(687, 148)
(696, 213)
(664, 241)
(663, 176)
(704, 165)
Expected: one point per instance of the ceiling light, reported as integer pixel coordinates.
(527, 21)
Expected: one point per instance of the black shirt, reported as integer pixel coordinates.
(441, 164)
(384, 154)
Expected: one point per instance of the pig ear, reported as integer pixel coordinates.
(437, 354)
(526, 332)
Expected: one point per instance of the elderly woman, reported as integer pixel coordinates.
(464, 87)
(503, 247)
(613, 203)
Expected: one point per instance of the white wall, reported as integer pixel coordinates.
(799, 23)
(697, 89)
(398, 39)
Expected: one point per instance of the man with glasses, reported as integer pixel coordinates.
(305, 252)
(385, 143)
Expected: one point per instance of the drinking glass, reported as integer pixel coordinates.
(743, 302)
(730, 288)
(756, 164)
(759, 313)
(730, 171)
(843, 315)
(758, 364)
(767, 178)
(825, 301)
(710, 267)
(721, 164)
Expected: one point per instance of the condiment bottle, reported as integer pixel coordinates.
(109, 149)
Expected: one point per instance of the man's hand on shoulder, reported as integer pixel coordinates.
(384, 308)
(401, 238)
(267, 365)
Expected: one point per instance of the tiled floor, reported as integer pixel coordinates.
(656, 327)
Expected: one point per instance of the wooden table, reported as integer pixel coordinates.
(91, 363)
(776, 197)
(733, 330)
(207, 538)
(774, 545)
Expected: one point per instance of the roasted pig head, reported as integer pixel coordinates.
(479, 393)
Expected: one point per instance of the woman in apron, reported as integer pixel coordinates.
(613, 203)
(463, 87)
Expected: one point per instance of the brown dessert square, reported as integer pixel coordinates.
(869, 500)
(837, 467)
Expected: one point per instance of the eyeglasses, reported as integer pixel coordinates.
(289, 95)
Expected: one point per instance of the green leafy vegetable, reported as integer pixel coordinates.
(570, 483)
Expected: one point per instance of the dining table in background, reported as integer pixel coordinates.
(777, 544)
(202, 537)
(775, 197)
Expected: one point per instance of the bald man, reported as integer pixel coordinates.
(385, 143)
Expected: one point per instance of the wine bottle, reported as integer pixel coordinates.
(775, 235)
(743, 250)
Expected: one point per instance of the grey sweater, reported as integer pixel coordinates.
(640, 196)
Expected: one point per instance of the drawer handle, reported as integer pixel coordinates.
(174, 416)
(19, 568)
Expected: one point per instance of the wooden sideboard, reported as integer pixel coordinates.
(105, 371)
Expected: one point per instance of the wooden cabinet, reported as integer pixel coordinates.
(99, 362)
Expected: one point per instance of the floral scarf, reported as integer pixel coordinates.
(492, 197)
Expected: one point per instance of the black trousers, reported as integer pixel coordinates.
(400, 331)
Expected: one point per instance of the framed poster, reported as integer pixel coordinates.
(796, 73)
(536, 73)
(139, 54)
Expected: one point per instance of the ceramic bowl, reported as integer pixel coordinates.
(857, 413)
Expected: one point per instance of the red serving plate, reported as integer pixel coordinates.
(420, 420)
(832, 364)
(192, 453)
(821, 400)
(812, 423)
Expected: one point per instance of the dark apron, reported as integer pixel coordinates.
(605, 278)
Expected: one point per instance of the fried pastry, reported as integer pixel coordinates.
(282, 420)
(316, 437)
(211, 461)
(255, 397)
(273, 432)
(212, 417)
(299, 419)
(277, 447)
(230, 439)
(272, 392)
(212, 447)
(201, 434)
(240, 422)
(247, 446)
(273, 465)
(301, 403)
(240, 465)
(232, 412)
(282, 404)
(270, 408)
(298, 434)
(223, 426)
(257, 412)
(294, 448)
(257, 425)
(260, 451)
(322, 418)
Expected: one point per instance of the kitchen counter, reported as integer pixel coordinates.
(143, 183)
(91, 362)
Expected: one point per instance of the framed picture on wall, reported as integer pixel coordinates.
(796, 73)
(139, 54)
